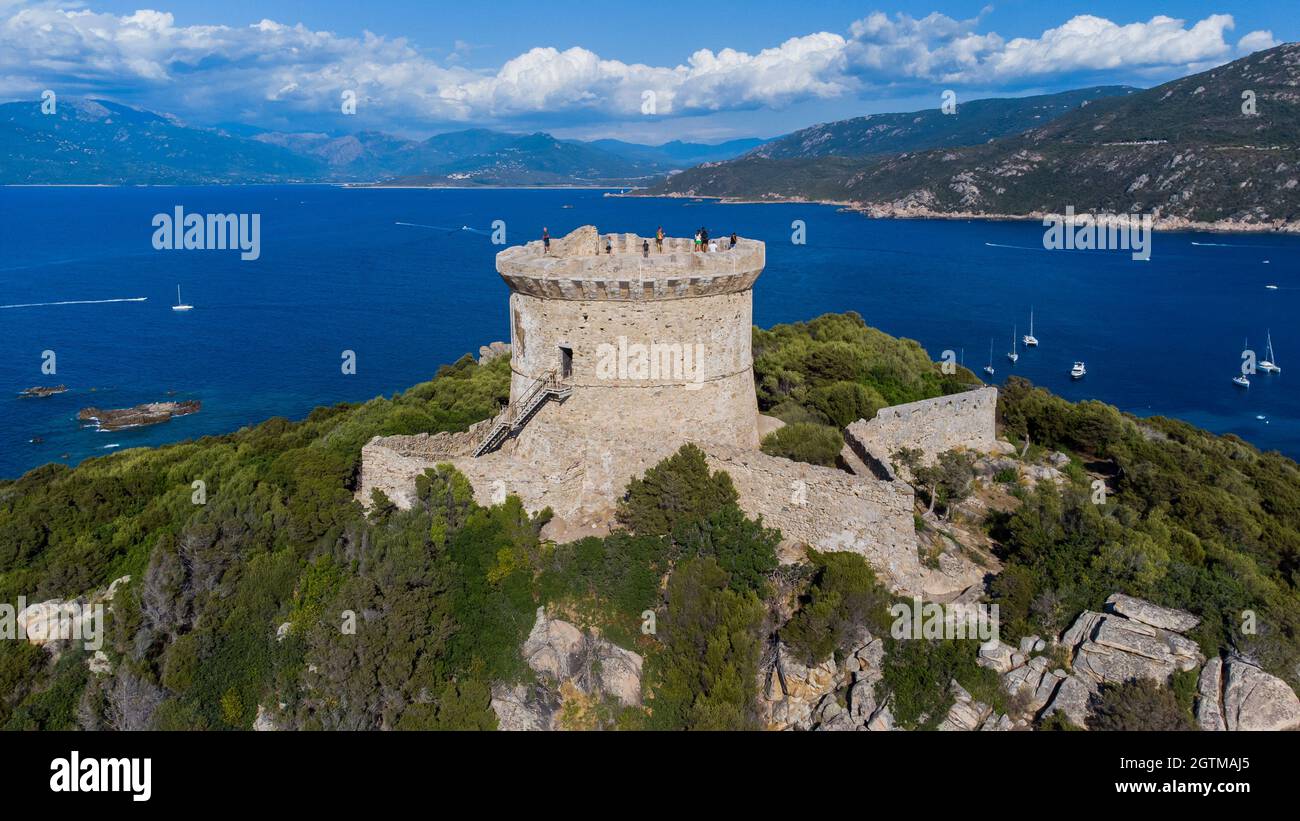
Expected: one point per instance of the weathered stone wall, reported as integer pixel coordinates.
(825, 508)
(962, 420)
(675, 369)
(830, 510)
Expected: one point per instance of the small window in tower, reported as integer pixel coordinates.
(566, 362)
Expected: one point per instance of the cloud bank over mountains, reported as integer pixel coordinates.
(273, 71)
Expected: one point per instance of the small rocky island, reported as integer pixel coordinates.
(41, 392)
(150, 413)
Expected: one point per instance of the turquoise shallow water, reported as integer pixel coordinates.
(338, 271)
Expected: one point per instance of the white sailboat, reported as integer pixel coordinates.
(181, 306)
(1269, 364)
(1240, 379)
(988, 369)
(1013, 354)
(1029, 339)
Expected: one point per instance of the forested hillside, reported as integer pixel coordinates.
(1218, 146)
(238, 606)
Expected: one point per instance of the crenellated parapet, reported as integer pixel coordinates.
(578, 267)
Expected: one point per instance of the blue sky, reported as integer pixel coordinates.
(643, 71)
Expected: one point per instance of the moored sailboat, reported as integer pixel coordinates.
(1029, 339)
(1269, 363)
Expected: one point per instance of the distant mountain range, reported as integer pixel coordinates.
(1190, 149)
(974, 122)
(101, 142)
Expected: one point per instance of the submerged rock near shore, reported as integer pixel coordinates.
(43, 391)
(150, 413)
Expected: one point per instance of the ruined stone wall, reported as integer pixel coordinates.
(963, 420)
(825, 508)
(830, 510)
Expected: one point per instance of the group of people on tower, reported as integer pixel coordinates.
(701, 242)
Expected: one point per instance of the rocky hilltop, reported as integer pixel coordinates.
(1219, 149)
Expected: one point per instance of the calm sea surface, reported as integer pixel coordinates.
(339, 270)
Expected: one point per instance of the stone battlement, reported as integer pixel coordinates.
(577, 268)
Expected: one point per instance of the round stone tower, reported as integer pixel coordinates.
(634, 352)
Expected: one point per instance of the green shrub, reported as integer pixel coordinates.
(1137, 705)
(805, 442)
(678, 489)
(843, 599)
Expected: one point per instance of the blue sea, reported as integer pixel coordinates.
(404, 278)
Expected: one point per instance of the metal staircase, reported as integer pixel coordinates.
(512, 420)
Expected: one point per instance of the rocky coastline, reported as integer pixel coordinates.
(150, 413)
(42, 391)
(907, 210)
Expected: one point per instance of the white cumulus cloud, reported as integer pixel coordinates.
(270, 69)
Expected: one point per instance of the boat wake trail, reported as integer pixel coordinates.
(76, 302)
(1017, 247)
(1234, 245)
(444, 228)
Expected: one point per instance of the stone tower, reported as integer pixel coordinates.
(646, 350)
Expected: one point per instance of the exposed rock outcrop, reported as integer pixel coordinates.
(524, 707)
(566, 658)
(1256, 700)
(1163, 617)
(55, 623)
(150, 413)
(493, 350)
(1138, 639)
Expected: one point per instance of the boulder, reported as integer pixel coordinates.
(998, 723)
(1072, 699)
(996, 655)
(1121, 649)
(871, 657)
(522, 707)
(1179, 621)
(560, 651)
(1043, 473)
(830, 715)
(1081, 630)
(862, 701)
(99, 663)
(1034, 682)
(620, 672)
(553, 647)
(966, 713)
(882, 720)
(1209, 708)
(486, 353)
(264, 722)
(1256, 700)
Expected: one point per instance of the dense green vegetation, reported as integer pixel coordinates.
(1139, 705)
(192, 637)
(282, 594)
(820, 376)
(398, 619)
(1190, 520)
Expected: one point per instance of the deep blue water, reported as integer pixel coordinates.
(337, 272)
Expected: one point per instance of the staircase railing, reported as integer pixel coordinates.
(511, 420)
